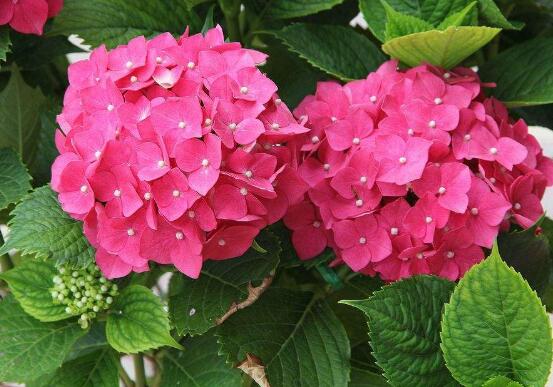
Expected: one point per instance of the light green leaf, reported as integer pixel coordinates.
(404, 329)
(339, 51)
(523, 73)
(196, 304)
(138, 322)
(441, 48)
(288, 9)
(501, 381)
(495, 325)
(5, 42)
(29, 348)
(457, 18)
(490, 12)
(114, 22)
(398, 24)
(31, 283)
(198, 365)
(97, 369)
(15, 181)
(39, 226)
(297, 337)
(20, 107)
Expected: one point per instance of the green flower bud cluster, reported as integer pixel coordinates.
(85, 292)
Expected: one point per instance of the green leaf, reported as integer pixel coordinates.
(5, 42)
(529, 254)
(398, 24)
(296, 336)
(523, 73)
(457, 18)
(441, 48)
(93, 341)
(490, 12)
(363, 378)
(339, 51)
(39, 226)
(288, 9)
(20, 107)
(199, 365)
(208, 22)
(97, 369)
(47, 151)
(31, 283)
(138, 322)
(29, 348)
(114, 22)
(14, 179)
(501, 381)
(404, 329)
(196, 304)
(495, 325)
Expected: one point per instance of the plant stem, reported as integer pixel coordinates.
(5, 261)
(139, 371)
(231, 10)
(124, 376)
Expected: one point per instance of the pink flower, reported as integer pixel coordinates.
(183, 116)
(28, 16)
(233, 126)
(173, 195)
(349, 132)
(504, 150)
(408, 258)
(425, 217)
(309, 236)
(362, 241)
(230, 242)
(526, 204)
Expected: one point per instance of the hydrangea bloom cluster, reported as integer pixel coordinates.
(28, 16)
(413, 172)
(171, 151)
(85, 292)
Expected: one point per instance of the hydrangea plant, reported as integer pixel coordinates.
(275, 193)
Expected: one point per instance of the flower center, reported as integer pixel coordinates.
(402, 160)
(243, 90)
(474, 211)
(441, 190)
(420, 255)
(363, 179)
(110, 107)
(362, 240)
(191, 214)
(316, 224)
(222, 242)
(97, 154)
(205, 162)
(159, 59)
(467, 137)
(275, 126)
(517, 206)
(438, 101)
(134, 79)
(428, 219)
(248, 174)
(176, 193)
(432, 124)
(161, 163)
(207, 121)
(356, 140)
(372, 98)
(232, 126)
(147, 196)
(315, 139)
(326, 167)
(84, 188)
(117, 193)
(182, 124)
(179, 235)
(450, 254)
(493, 151)
(243, 191)
(359, 203)
(410, 132)
(191, 65)
(128, 64)
(394, 231)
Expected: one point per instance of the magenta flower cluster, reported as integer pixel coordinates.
(171, 151)
(413, 172)
(28, 16)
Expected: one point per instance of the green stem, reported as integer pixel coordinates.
(231, 10)
(124, 376)
(139, 371)
(5, 261)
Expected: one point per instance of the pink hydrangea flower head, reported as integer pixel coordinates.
(174, 151)
(28, 16)
(412, 172)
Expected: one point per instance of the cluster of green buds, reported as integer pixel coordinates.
(85, 292)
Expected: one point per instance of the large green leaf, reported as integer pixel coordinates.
(399, 24)
(20, 107)
(441, 48)
(495, 325)
(296, 336)
(404, 329)
(363, 378)
(30, 348)
(337, 50)
(523, 73)
(198, 365)
(113, 22)
(287, 9)
(196, 304)
(5, 42)
(529, 254)
(97, 369)
(490, 12)
(501, 381)
(31, 283)
(47, 152)
(14, 179)
(138, 322)
(95, 340)
(40, 227)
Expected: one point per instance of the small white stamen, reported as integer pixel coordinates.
(450, 254)
(447, 75)
(438, 101)
(363, 179)
(402, 160)
(179, 235)
(192, 312)
(243, 191)
(394, 231)
(128, 64)
(492, 180)
(205, 162)
(333, 119)
(222, 242)
(362, 240)
(326, 167)
(232, 126)
(356, 140)
(207, 121)
(467, 137)
(191, 65)
(359, 203)
(316, 224)
(372, 98)
(517, 206)
(432, 124)
(474, 211)
(441, 190)
(275, 126)
(428, 219)
(248, 174)
(117, 193)
(243, 90)
(182, 124)
(97, 154)
(191, 214)
(419, 256)
(84, 188)
(410, 132)
(315, 139)
(493, 151)
(147, 196)
(130, 232)
(278, 101)
(176, 193)
(161, 163)
(159, 59)
(110, 107)
(134, 78)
